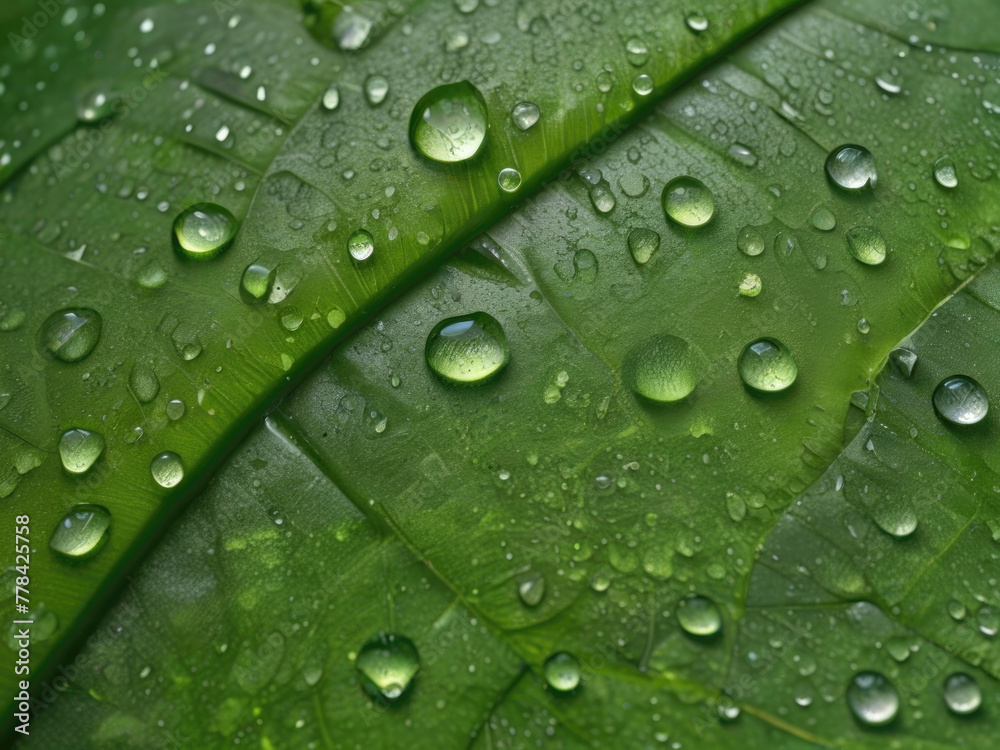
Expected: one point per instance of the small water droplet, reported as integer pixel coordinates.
(151, 276)
(331, 98)
(956, 610)
(81, 533)
(688, 202)
(636, 52)
(864, 326)
(175, 409)
(144, 383)
(71, 334)
(895, 516)
(449, 123)
(851, 167)
(945, 174)
(699, 616)
(642, 84)
(785, 243)
(696, 22)
(743, 155)
(961, 400)
(898, 648)
(531, 588)
(257, 281)
(167, 469)
(662, 369)
(750, 242)
(642, 243)
(376, 89)
(79, 449)
(525, 115)
(467, 349)
(988, 621)
(562, 672)
(867, 245)
(872, 699)
(602, 198)
(766, 365)
(361, 245)
(351, 29)
(962, 694)
(95, 105)
(888, 83)
(633, 184)
(903, 361)
(204, 230)
(751, 285)
(387, 665)
(823, 219)
(585, 266)
(509, 180)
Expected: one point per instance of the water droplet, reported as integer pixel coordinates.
(688, 202)
(387, 665)
(81, 533)
(449, 123)
(562, 672)
(525, 115)
(751, 285)
(851, 167)
(361, 245)
(823, 219)
(642, 84)
(988, 621)
(662, 369)
(467, 349)
(71, 334)
(961, 400)
(204, 230)
(531, 588)
(291, 318)
(888, 83)
(585, 266)
(903, 361)
(742, 154)
(945, 174)
(144, 383)
(151, 276)
(895, 516)
(872, 699)
(956, 610)
(79, 449)
(750, 242)
(167, 469)
(696, 22)
(785, 243)
(642, 243)
(962, 694)
(699, 615)
(11, 318)
(331, 98)
(864, 326)
(376, 89)
(602, 198)
(898, 648)
(257, 281)
(633, 184)
(636, 52)
(175, 409)
(767, 366)
(95, 105)
(867, 245)
(509, 179)
(351, 29)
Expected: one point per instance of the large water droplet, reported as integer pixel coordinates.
(642, 243)
(467, 349)
(699, 616)
(81, 533)
(79, 449)
(895, 516)
(767, 366)
(167, 469)
(449, 123)
(662, 369)
(257, 281)
(750, 242)
(961, 400)
(531, 588)
(872, 699)
(361, 245)
(204, 230)
(387, 665)
(562, 672)
(962, 694)
(688, 202)
(525, 115)
(851, 167)
(945, 174)
(71, 334)
(144, 383)
(867, 245)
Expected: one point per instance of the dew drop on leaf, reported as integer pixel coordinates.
(376, 89)
(525, 115)
(961, 400)
(661, 369)
(895, 517)
(449, 123)
(750, 242)
(851, 167)
(823, 219)
(903, 361)
(204, 230)
(642, 243)
(467, 349)
(509, 180)
(144, 383)
(872, 698)
(361, 245)
(945, 174)
(531, 588)
(79, 449)
(175, 409)
(562, 672)
(751, 285)
(688, 202)
(642, 84)
(257, 281)
(71, 334)
(956, 610)
(167, 469)
(331, 98)
(387, 665)
(767, 366)
(962, 694)
(867, 245)
(81, 533)
(696, 22)
(699, 616)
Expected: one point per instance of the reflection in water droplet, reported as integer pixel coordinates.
(688, 202)
(79, 449)
(525, 115)
(699, 615)
(962, 694)
(751, 285)
(851, 167)
(636, 51)
(945, 174)
(376, 89)
(331, 98)
(867, 245)
(467, 349)
(71, 334)
(531, 588)
(767, 366)
(961, 400)
(387, 665)
(642, 243)
(872, 699)
(642, 84)
(449, 123)
(661, 369)
(167, 469)
(750, 242)
(203, 231)
(823, 219)
(361, 245)
(509, 179)
(562, 672)
(81, 533)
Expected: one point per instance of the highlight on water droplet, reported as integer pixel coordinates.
(509, 180)
(766, 365)
(331, 98)
(467, 349)
(449, 123)
(531, 588)
(562, 672)
(696, 22)
(662, 369)
(81, 533)
(167, 469)
(361, 245)
(945, 173)
(867, 245)
(962, 694)
(823, 219)
(851, 167)
(71, 334)
(525, 115)
(95, 104)
(688, 202)
(750, 242)
(699, 616)
(144, 383)
(204, 230)
(387, 665)
(961, 401)
(642, 243)
(895, 516)
(79, 449)
(872, 698)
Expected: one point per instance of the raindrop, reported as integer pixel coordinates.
(867, 245)
(742, 154)
(767, 366)
(204, 230)
(562, 672)
(662, 369)
(584, 266)
(387, 665)
(851, 167)
(636, 52)
(449, 123)
(144, 383)
(331, 98)
(895, 517)
(642, 84)
(750, 242)
(962, 694)
(945, 174)
(167, 469)
(956, 610)
(864, 326)
(785, 243)
(175, 409)
(633, 184)
(642, 243)
(872, 699)
(361, 245)
(531, 588)
(467, 349)
(688, 202)
(151, 276)
(699, 616)
(257, 281)
(696, 22)
(376, 89)
(751, 285)
(95, 105)
(988, 621)
(602, 198)
(71, 334)
(82, 532)
(79, 449)
(509, 180)
(525, 115)
(823, 219)
(961, 400)
(888, 83)
(903, 361)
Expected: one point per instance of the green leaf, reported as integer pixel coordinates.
(377, 498)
